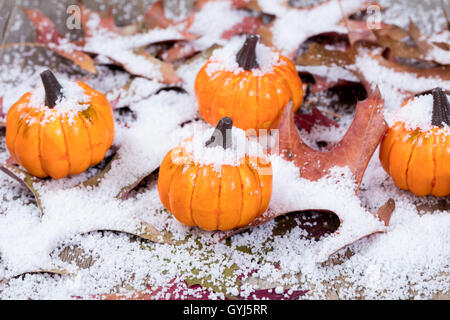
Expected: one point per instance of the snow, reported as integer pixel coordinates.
(210, 24)
(416, 114)
(395, 87)
(105, 42)
(195, 151)
(73, 101)
(293, 27)
(408, 259)
(224, 59)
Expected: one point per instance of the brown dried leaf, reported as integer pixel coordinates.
(48, 36)
(95, 180)
(61, 272)
(318, 55)
(25, 179)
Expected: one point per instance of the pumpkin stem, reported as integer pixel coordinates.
(53, 89)
(220, 136)
(441, 108)
(246, 57)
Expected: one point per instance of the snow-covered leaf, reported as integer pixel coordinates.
(25, 179)
(48, 35)
(354, 150)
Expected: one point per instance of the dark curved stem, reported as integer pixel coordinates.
(220, 136)
(246, 57)
(441, 108)
(53, 89)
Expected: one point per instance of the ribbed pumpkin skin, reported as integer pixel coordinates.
(198, 195)
(417, 161)
(57, 148)
(253, 102)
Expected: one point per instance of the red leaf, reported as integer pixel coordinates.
(106, 21)
(354, 152)
(175, 290)
(155, 18)
(114, 102)
(308, 121)
(48, 35)
(10, 161)
(272, 295)
(247, 25)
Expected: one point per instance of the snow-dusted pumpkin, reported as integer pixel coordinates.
(212, 184)
(418, 157)
(252, 86)
(59, 131)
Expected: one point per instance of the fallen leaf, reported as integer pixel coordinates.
(48, 36)
(105, 22)
(384, 213)
(237, 4)
(247, 25)
(354, 150)
(167, 69)
(175, 289)
(318, 55)
(271, 294)
(95, 180)
(291, 16)
(180, 50)
(61, 272)
(132, 57)
(308, 121)
(155, 17)
(411, 44)
(25, 179)
(2, 114)
(75, 254)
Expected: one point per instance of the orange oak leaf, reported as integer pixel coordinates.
(315, 172)
(48, 35)
(354, 150)
(308, 121)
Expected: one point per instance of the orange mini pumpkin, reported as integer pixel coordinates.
(419, 160)
(252, 98)
(214, 196)
(51, 139)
